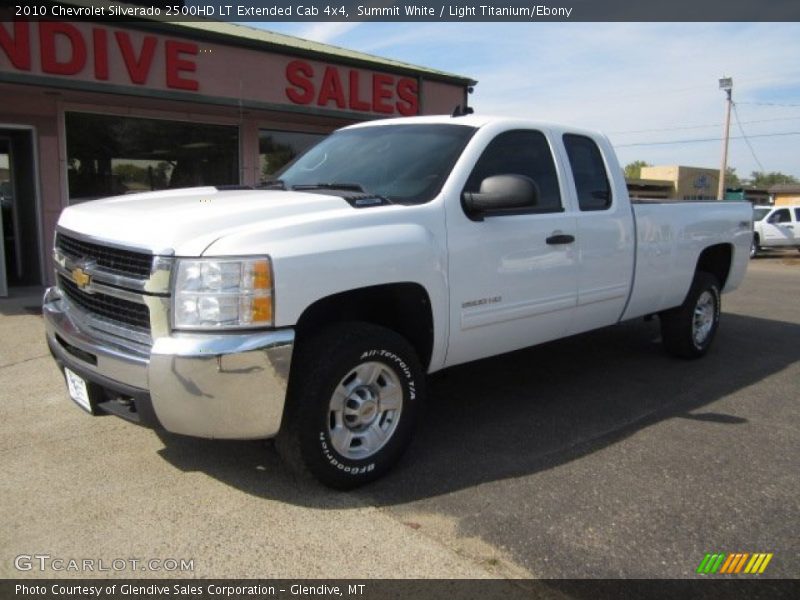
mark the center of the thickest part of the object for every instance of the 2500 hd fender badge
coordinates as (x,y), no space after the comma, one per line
(482,301)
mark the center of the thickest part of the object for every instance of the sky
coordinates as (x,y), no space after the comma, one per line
(640,83)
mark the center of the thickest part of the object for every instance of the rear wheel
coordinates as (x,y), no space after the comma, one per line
(688,330)
(352,405)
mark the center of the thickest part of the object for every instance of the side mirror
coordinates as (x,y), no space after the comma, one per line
(501,194)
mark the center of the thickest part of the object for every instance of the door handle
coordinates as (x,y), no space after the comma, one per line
(561,238)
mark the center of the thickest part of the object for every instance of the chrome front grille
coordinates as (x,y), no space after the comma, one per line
(121,294)
(127,263)
(106,307)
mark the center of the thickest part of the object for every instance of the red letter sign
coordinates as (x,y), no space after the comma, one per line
(18,48)
(48,30)
(100,38)
(175,64)
(409,97)
(331,88)
(138,69)
(381,92)
(299,73)
(355,102)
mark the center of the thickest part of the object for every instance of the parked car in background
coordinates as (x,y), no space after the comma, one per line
(775,227)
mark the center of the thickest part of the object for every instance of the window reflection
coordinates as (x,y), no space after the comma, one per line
(277,148)
(110,155)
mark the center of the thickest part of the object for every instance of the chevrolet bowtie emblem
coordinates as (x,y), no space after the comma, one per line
(81,277)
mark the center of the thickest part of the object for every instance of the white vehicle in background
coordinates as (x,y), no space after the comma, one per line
(775,227)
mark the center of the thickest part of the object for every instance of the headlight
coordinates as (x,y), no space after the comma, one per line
(222,293)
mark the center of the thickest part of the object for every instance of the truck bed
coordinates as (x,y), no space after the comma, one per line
(670,235)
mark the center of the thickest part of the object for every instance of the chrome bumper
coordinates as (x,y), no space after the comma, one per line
(229,386)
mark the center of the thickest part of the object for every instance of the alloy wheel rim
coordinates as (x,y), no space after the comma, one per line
(703,318)
(364,410)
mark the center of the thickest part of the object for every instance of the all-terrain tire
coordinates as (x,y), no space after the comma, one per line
(688,330)
(354,397)
(754,246)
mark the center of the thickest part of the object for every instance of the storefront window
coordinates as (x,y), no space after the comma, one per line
(276,148)
(109,155)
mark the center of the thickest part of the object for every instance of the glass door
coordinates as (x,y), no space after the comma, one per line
(19,222)
(6,211)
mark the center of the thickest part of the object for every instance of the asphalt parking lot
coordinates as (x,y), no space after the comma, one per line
(594,456)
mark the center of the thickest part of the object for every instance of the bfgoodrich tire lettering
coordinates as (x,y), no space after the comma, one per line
(353,402)
(689,329)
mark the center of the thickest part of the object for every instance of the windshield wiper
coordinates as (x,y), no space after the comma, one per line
(272,184)
(336,185)
(361,199)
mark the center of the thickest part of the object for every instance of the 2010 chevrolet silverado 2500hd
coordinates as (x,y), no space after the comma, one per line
(311,310)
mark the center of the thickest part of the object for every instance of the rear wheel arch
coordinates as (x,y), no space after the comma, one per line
(716,260)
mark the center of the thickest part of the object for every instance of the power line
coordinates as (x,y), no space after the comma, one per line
(682,128)
(768,104)
(744,135)
(699,140)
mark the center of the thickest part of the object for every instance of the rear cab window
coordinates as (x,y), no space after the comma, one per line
(760,213)
(588,172)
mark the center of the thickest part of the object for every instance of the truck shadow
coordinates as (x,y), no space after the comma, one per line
(531,410)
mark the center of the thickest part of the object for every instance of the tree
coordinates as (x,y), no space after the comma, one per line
(732,179)
(766,180)
(634,170)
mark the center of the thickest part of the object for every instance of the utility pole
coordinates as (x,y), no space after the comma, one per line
(726,84)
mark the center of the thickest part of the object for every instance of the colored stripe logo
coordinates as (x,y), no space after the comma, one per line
(734,563)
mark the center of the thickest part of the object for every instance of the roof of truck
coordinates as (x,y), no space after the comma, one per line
(474,120)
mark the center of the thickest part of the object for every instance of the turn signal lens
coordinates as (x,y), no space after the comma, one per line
(262,310)
(262,278)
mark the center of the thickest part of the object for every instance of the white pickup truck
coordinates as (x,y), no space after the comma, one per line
(777,227)
(310,310)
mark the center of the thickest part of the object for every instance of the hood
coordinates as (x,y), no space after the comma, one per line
(185,222)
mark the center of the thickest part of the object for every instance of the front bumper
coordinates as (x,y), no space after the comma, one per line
(230,386)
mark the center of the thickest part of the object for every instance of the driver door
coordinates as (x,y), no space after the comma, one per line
(778,228)
(513,277)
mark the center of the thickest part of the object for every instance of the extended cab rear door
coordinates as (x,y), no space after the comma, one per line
(605,231)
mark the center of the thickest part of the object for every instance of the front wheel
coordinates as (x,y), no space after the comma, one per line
(688,330)
(353,402)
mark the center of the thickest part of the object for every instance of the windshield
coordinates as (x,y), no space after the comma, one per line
(403,163)
(760,213)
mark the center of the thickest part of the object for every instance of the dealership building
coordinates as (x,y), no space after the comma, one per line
(97,109)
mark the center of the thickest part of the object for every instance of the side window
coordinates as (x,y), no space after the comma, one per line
(781,216)
(797,214)
(589,172)
(520,152)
